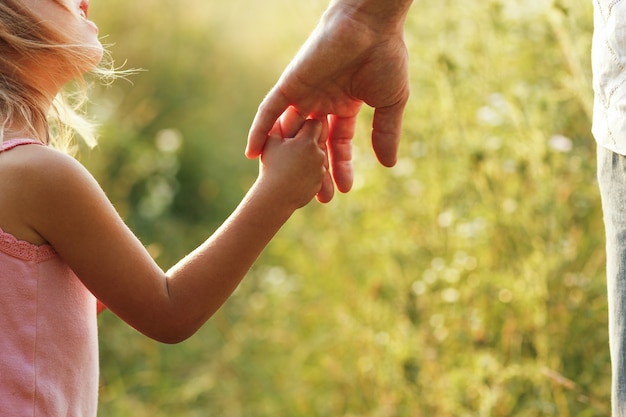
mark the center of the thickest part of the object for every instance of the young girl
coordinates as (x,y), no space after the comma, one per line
(62,244)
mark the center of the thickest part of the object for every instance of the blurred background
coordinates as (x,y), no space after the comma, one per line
(466,281)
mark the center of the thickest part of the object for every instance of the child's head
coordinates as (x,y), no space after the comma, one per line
(44,44)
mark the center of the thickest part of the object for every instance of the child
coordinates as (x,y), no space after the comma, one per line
(62,244)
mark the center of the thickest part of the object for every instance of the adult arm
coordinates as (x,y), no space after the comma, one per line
(355,55)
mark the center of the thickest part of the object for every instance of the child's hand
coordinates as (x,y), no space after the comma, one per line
(293,169)
(288,126)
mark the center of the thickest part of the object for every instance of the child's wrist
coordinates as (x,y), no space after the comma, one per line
(270,195)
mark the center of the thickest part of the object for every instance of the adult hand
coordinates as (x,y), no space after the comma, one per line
(354,56)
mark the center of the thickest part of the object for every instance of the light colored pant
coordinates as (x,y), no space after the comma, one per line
(612,180)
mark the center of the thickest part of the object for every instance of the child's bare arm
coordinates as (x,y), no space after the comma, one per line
(72,213)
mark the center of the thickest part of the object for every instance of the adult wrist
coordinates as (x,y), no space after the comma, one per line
(377,15)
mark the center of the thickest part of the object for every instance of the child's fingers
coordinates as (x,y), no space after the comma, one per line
(310,129)
(323,137)
(317,130)
(327,190)
(274,139)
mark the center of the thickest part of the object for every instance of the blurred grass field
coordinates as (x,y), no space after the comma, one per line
(466,281)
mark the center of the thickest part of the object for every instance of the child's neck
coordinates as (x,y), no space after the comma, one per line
(24,133)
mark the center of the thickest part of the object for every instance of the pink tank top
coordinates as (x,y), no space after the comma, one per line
(48,332)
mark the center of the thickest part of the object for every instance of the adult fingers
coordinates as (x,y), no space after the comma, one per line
(291,122)
(386,132)
(270,109)
(340,151)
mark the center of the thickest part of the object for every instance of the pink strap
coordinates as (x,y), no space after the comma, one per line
(12,143)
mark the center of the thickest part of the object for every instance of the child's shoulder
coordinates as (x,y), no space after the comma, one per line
(35,181)
(39,164)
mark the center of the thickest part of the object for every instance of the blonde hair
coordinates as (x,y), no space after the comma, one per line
(25,40)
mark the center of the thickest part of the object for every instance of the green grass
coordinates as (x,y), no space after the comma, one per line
(467,281)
